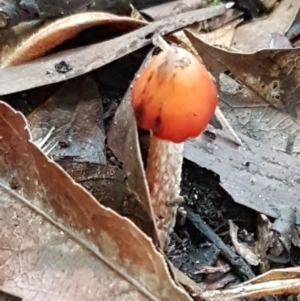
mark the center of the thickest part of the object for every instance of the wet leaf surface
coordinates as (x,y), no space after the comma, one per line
(253,174)
(74,119)
(63,242)
(58,242)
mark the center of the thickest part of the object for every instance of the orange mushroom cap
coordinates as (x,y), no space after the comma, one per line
(174,96)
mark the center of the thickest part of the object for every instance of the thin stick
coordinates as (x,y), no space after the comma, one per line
(225,125)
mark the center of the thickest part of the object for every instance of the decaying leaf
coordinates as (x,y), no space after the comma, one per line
(272,74)
(73,117)
(165,10)
(72,63)
(15,12)
(268,109)
(282,232)
(246,252)
(221,37)
(69,128)
(108,184)
(55,33)
(276,282)
(123,141)
(254,174)
(256,35)
(251,115)
(58,242)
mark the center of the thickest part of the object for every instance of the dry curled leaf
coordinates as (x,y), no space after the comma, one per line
(242,249)
(276,282)
(58,242)
(87,58)
(55,33)
(123,141)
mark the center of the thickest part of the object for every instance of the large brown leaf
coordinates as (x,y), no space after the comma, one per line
(58,243)
(254,174)
(265,103)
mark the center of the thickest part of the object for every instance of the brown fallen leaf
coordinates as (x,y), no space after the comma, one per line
(58,243)
(122,139)
(222,36)
(265,106)
(10,37)
(276,282)
(108,184)
(55,33)
(168,9)
(74,118)
(256,35)
(69,128)
(72,63)
(254,174)
(14,13)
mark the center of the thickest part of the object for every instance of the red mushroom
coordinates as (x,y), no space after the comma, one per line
(174,97)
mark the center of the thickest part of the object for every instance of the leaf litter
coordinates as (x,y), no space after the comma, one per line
(46,213)
(74,226)
(85,59)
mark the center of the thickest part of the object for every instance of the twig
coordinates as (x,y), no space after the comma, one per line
(225,125)
(238,264)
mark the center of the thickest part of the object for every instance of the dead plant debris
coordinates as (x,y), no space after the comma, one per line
(78,215)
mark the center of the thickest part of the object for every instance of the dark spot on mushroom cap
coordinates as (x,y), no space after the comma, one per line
(157,122)
(139,113)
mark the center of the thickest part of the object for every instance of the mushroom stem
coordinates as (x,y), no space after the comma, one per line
(163,172)
(174,97)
